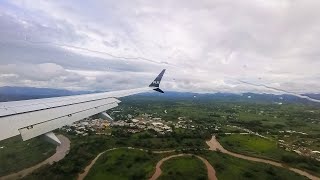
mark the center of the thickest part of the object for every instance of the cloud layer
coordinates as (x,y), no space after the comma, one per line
(206,46)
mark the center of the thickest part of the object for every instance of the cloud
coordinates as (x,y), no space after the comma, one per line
(206,46)
(39,72)
(48,74)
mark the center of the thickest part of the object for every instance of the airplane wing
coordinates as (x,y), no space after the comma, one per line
(31,118)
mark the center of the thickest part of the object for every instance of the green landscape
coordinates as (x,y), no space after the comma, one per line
(287,133)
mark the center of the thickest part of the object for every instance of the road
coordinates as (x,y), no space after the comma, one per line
(61,151)
(215,145)
(87,169)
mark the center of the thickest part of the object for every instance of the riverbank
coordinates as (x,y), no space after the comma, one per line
(61,151)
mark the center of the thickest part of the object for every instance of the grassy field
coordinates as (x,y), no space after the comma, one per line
(228,167)
(124,164)
(84,149)
(16,155)
(256,146)
(188,167)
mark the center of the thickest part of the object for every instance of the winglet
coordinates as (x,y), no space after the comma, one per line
(155,84)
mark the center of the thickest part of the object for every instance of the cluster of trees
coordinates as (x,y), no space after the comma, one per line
(253,125)
(302,162)
(82,151)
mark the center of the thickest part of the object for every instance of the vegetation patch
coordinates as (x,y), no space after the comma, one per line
(185,167)
(228,167)
(124,164)
(256,146)
(16,154)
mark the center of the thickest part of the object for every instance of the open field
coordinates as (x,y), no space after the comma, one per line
(16,155)
(253,145)
(186,167)
(268,149)
(228,167)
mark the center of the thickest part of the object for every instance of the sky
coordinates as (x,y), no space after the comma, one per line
(206,46)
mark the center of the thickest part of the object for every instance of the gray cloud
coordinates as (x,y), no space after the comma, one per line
(205,45)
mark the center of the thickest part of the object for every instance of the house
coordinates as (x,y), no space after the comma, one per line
(155,124)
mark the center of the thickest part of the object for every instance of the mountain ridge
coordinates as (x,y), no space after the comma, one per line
(14,93)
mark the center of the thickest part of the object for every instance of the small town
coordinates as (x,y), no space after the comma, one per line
(145,122)
(132,125)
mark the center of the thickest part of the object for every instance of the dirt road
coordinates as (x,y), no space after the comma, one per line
(215,145)
(61,151)
(211,171)
(87,169)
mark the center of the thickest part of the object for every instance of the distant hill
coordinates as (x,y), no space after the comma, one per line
(313,96)
(230,97)
(8,93)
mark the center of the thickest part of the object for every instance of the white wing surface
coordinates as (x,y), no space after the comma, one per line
(32,118)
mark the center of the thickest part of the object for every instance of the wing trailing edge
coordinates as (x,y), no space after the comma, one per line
(32,118)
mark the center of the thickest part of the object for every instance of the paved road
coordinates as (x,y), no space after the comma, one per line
(61,151)
(210,169)
(215,145)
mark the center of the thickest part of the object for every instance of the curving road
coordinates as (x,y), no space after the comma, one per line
(210,169)
(215,146)
(82,175)
(87,169)
(61,151)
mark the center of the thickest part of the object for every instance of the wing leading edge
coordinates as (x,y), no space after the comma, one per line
(32,118)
